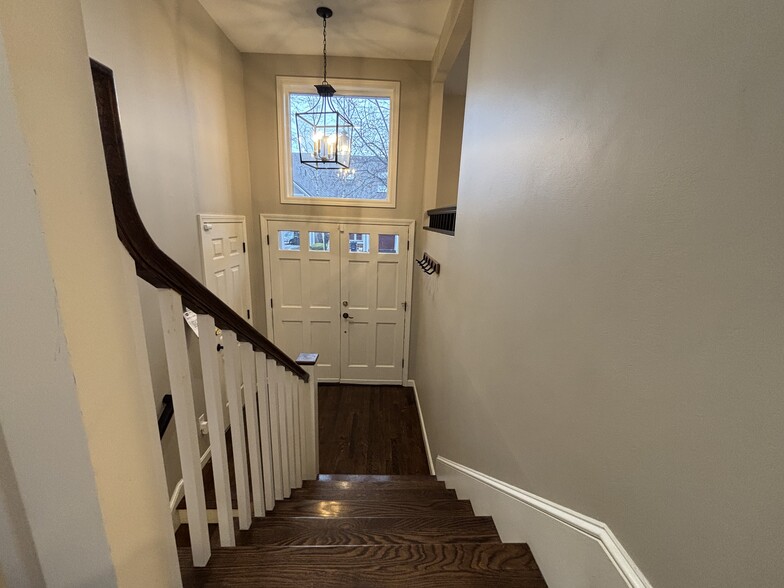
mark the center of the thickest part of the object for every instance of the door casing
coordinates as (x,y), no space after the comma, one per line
(265,248)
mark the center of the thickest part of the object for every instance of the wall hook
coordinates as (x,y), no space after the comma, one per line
(429,265)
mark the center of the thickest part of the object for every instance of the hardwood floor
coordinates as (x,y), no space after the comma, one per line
(370,430)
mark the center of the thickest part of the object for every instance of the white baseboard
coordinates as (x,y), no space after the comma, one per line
(572,550)
(412,384)
(179,491)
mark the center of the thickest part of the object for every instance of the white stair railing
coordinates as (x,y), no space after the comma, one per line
(272,420)
(273,413)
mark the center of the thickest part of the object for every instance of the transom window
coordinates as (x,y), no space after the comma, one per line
(372,107)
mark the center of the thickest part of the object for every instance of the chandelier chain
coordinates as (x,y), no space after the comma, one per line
(325,49)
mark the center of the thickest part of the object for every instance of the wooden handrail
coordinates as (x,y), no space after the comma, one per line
(152,264)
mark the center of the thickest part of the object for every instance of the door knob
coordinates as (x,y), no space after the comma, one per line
(346,316)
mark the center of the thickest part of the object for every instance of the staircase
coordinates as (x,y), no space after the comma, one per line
(363,530)
(333,530)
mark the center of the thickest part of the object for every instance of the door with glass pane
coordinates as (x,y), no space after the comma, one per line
(305,276)
(373,274)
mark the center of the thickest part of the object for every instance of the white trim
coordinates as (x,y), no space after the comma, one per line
(179,491)
(412,384)
(369,382)
(409,299)
(267,271)
(597,530)
(203,218)
(337,219)
(345,87)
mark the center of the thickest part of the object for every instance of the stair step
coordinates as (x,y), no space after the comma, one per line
(372,508)
(454,565)
(368,531)
(378,492)
(375,478)
(391,484)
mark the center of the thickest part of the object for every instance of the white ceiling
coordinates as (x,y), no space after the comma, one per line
(388,29)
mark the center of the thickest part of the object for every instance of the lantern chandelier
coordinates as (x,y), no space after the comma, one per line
(324,134)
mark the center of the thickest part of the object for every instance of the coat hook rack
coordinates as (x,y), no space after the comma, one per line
(429,265)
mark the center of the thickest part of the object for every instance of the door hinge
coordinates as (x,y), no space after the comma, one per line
(270,302)
(404,363)
(267,239)
(408,245)
(405,306)
(249,313)
(243,248)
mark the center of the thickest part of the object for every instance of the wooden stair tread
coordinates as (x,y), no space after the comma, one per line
(357,531)
(390,485)
(371,508)
(375,478)
(380,493)
(413,565)
(368,531)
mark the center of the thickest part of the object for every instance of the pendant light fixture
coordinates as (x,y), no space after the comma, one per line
(323,133)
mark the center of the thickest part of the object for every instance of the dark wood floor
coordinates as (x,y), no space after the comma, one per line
(369,430)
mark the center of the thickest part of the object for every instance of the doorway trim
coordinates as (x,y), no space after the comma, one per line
(203,218)
(265,252)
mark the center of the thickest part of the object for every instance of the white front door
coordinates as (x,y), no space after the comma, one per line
(373,263)
(225,261)
(321,271)
(305,269)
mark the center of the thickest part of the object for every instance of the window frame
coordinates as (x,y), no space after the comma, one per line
(287,85)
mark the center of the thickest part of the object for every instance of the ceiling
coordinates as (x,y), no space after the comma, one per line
(387,29)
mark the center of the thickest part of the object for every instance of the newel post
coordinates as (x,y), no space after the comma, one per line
(309,416)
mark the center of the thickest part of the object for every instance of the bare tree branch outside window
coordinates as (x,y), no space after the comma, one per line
(367,177)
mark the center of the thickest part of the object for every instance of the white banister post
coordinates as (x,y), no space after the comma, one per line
(181,386)
(304,428)
(252,419)
(308,362)
(237,426)
(295,394)
(264,431)
(274,418)
(208,351)
(284,433)
(290,430)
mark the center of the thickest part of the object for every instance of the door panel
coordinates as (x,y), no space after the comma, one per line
(225,263)
(373,270)
(305,272)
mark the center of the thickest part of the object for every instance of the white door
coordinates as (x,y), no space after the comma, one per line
(225,261)
(373,260)
(305,274)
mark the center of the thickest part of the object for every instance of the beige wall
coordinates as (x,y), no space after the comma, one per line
(181,97)
(261,99)
(92,329)
(606,331)
(451,148)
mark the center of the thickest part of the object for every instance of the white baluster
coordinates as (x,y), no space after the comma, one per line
(187,434)
(264,431)
(277,462)
(237,423)
(284,433)
(295,394)
(252,419)
(208,343)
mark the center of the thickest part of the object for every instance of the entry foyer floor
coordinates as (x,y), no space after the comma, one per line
(370,430)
